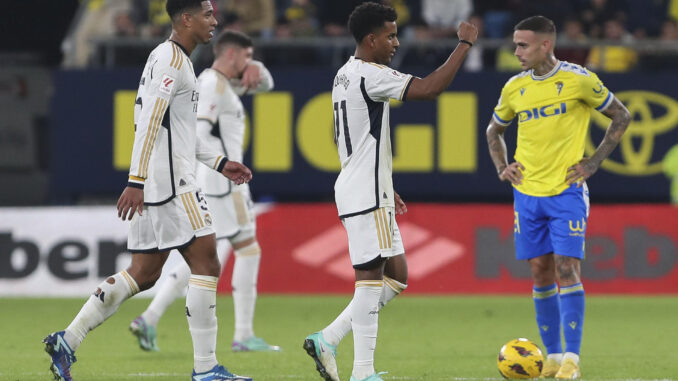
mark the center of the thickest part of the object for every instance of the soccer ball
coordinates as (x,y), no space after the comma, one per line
(520,358)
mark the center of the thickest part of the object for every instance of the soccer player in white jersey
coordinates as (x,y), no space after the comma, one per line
(364,193)
(163,202)
(221,124)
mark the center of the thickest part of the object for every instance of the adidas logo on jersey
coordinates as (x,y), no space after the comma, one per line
(182,182)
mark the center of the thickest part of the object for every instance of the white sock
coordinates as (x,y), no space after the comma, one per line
(201,306)
(571,355)
(555,356)
(244,283)
(341,326)
(173,288)
(392,288)
(365,324)
(100,306)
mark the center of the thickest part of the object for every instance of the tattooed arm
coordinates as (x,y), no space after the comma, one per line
(588,166)
(497,145)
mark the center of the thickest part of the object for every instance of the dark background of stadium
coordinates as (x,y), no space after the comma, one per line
(36,26)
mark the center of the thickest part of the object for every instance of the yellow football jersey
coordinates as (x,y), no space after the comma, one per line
(553,113)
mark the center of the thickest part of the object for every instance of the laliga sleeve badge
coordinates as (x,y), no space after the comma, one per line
(167,84)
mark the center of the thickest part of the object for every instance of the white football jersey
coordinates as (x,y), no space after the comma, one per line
(360,100)
(221,122)
(165,143)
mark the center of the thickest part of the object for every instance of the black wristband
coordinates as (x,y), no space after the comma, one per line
(221,165)
(466,42)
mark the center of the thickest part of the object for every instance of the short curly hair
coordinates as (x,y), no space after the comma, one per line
(176,7)
(368,17)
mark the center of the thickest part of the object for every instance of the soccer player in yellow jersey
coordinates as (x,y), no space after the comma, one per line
(552,101)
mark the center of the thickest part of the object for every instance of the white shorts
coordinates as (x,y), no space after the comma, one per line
(371,235)
(233,214)
(173,225)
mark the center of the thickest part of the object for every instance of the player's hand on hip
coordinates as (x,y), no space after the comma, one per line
(131,200)
(581,171)
(237,172)
(513,173)
(251,77)
(468,32)
(400,206)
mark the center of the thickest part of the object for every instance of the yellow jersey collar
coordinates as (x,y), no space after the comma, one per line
(547,75)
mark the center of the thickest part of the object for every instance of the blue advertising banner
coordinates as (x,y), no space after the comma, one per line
(439,147)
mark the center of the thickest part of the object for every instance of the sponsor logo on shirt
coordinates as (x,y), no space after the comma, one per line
(542,112)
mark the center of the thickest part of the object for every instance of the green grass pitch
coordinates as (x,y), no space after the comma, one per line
(420,338)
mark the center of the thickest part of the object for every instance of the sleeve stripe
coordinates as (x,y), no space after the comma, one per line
(163,107)
(180,59)
(216,163)
(606,102)
(148,136)
(407,86)
(174,54)
(136,178)
(500,120)
(156,118)
(146,151)
(177,57)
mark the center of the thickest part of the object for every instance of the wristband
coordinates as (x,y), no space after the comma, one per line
(466,42)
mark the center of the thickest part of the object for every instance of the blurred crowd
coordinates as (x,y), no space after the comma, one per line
(577,21)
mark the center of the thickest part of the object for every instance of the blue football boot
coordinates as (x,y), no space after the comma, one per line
(218,373)
(61,354)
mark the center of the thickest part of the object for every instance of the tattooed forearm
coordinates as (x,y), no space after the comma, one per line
(497,146)
(620,121)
